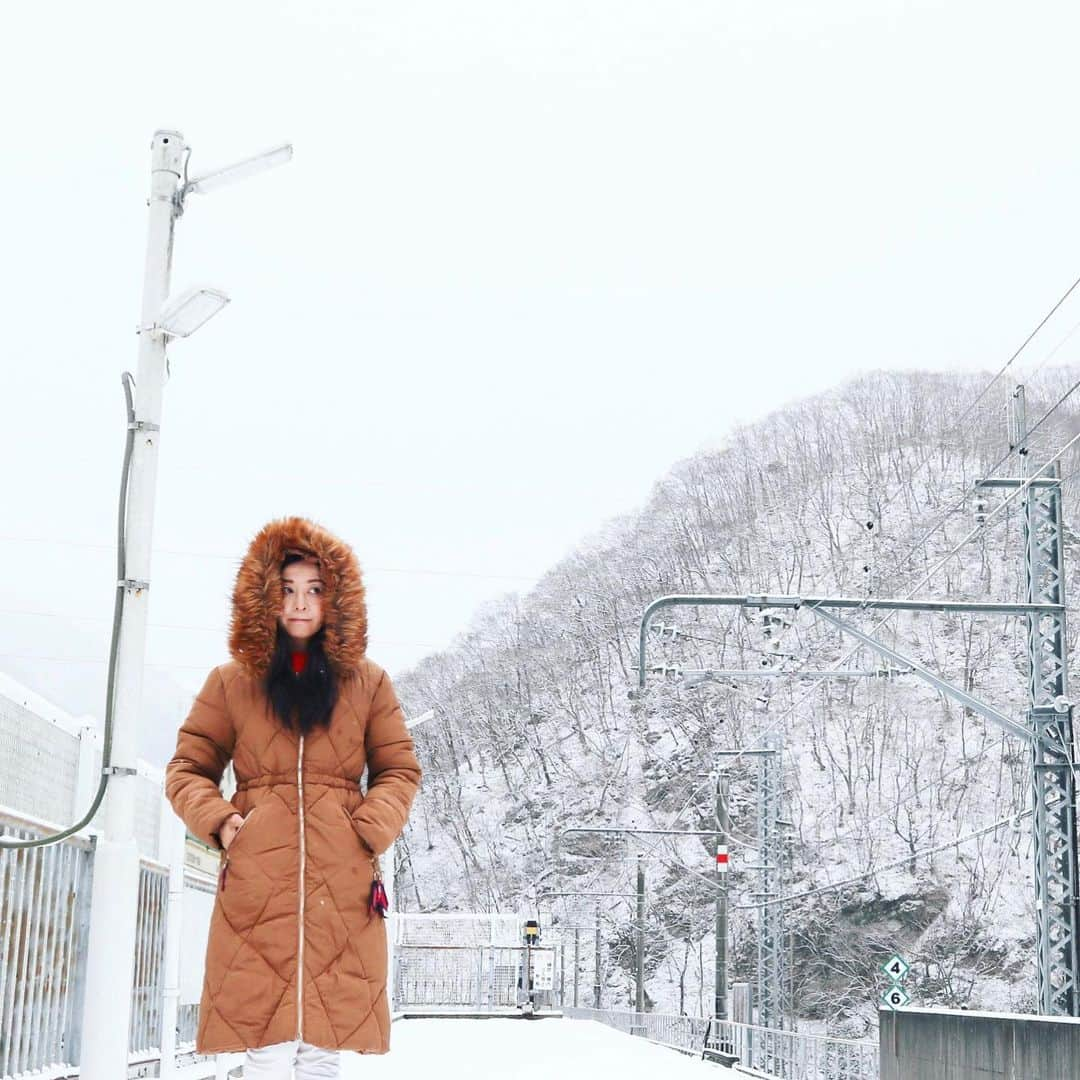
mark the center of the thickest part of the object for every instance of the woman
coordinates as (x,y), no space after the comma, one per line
(296,958)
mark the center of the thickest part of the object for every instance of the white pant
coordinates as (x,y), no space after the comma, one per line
(275,1062)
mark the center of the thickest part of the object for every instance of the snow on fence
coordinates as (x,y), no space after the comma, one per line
(790,1055)
(50,767)
(468,960)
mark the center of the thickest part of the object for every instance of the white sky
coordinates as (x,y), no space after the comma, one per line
(527,256)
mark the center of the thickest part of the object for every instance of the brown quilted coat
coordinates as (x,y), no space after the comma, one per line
(293,951)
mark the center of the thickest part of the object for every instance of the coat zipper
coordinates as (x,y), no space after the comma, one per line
(300,950)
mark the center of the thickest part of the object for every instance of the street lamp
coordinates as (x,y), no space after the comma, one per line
(110,960)
(184,315)
(249,166)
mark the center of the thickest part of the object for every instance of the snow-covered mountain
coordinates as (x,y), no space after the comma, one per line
(858,492)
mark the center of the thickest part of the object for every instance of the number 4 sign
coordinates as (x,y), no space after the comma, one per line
(896,967)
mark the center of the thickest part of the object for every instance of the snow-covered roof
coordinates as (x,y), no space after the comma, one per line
(14,691)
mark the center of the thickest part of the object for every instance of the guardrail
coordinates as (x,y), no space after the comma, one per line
(474,976)
(790,1055)
(44,930)
(44,923)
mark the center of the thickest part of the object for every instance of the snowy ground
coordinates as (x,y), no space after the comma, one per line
(497,1048)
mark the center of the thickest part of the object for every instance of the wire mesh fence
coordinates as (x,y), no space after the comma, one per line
(480,977)
(790,1055)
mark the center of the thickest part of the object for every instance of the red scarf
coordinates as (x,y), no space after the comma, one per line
(299,662)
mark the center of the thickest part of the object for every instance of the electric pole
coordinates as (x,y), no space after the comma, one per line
(639,967)
(1057,937)
(110,961)
(720,1003)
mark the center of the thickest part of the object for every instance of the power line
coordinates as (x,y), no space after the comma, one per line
(847,833)
(1017,818)
(179,667)
(881,622)
(238,559)
(982,525)
(986,389)
(989,472)
(173,626)
(1052,353)
(877,626)
(711,881)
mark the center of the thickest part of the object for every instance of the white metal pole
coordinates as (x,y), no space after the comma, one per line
(111,954)
(172,850)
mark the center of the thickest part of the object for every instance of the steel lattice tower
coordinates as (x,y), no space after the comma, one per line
(771,966)
(1053,778)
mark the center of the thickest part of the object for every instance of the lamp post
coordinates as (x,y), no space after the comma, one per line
(114,901)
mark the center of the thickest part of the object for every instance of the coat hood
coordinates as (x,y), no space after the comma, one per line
(257,596)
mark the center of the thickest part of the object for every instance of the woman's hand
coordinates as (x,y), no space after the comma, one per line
(230,829)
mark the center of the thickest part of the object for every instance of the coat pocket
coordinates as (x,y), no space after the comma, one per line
(241,831)
(224,873)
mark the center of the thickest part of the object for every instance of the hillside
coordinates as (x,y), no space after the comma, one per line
(843,494)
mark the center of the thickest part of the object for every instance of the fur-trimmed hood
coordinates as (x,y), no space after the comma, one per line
(257,596)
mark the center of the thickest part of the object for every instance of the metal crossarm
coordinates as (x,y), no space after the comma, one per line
(1049,731)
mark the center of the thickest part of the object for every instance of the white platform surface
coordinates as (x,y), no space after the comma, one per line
(513,1049)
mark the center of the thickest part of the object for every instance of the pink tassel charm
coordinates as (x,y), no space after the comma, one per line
(379,903)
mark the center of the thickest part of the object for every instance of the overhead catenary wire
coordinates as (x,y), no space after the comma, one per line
(1053,352)
(921,853)
(956,504)
(790,709)
(979,527)
(982,525)
(989,386)
(237,560)
(910,857)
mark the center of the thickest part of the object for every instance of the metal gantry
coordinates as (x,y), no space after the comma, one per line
(772,966)
(1048,729)
(1054,751)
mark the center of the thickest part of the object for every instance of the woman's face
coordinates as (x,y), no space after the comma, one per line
(301,600)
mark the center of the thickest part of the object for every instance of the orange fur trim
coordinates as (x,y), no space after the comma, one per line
(257,596)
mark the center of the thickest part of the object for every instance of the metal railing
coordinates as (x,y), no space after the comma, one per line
(148,990)
(44,925)
(791,1055)
(479,977)
(44,934)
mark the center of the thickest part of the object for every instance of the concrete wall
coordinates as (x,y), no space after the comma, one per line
(946,1044)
